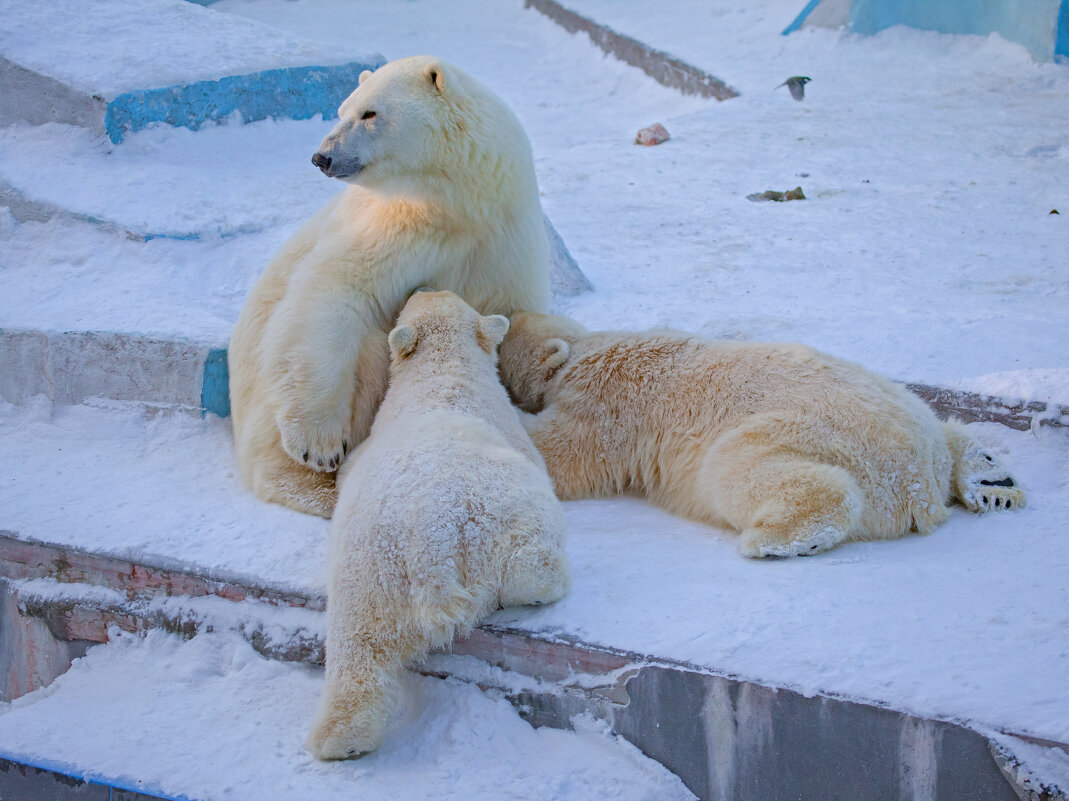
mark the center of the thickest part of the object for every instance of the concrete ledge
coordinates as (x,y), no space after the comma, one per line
(664,68)
(972,407)
(726,737)
(171,375)
(24,782)
(297,93)
(69,367)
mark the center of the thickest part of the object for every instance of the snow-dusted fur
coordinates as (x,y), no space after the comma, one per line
(794,449)
(441,193)
(445,513)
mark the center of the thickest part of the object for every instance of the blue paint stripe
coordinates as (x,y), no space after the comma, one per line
(800,19)
(1061,41)
(90,777)
(215,386)
(298,93)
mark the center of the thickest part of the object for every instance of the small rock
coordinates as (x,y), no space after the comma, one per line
(779,197)
(653,135)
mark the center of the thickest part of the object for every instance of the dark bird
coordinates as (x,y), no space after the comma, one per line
(797,86)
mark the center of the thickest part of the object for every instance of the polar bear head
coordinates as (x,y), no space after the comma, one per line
(436,324)
(536,347)
(422,118)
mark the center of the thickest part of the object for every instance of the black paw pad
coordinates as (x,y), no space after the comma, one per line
(1002,482)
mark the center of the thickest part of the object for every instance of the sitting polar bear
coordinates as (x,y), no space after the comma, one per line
(796,450)
(445,513)
(441,192)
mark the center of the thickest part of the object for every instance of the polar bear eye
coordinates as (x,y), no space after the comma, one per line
(368,115)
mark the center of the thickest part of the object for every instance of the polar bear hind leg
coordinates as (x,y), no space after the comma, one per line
(362,685)
(782,503)
(978,480)
(534,574)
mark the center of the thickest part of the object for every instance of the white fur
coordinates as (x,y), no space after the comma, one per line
(443,195)
(794,449)
(445,512)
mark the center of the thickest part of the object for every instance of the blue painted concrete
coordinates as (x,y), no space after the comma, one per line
(297,93)
(800,19)
(90,777)
(1030,23)
(1061,42)
(215,387)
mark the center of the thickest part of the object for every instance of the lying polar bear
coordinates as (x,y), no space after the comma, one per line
(441,191)
(445,513)
(796,450)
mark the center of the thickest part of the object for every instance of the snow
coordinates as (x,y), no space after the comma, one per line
(926,250)
(149,43)
(209,718)
(969,623)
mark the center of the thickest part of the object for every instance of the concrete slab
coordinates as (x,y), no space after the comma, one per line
(726,738)
(169,61)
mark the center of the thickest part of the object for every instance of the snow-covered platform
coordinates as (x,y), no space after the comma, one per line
(885,661)
(116,66)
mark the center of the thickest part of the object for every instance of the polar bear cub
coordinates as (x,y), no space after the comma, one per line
(796,450)
(440,191)
(445,513)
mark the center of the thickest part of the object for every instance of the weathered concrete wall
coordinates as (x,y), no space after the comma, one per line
(30,657)
(662,67)
(728,739)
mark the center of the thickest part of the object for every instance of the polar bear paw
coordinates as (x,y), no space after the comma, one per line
(772,541)
(321,444)
(984,484)
(344,734)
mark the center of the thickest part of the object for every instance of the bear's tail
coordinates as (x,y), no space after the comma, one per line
(978,480)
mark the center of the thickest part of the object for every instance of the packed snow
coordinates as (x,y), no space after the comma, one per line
(970,623)
(209,718)
(173,42)
(926,248)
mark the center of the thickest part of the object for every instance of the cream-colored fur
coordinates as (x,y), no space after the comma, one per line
(441,193)
(445,512)
(794,449)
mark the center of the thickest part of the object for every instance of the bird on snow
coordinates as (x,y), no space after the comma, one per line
(797,86)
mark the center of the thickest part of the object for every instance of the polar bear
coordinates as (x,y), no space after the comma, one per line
(445,513)
(794,449)
(441,192)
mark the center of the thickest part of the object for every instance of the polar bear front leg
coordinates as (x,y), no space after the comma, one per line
(313,344)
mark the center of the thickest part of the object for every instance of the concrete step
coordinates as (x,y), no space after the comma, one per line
(70,367)
(726,737)
(168,61)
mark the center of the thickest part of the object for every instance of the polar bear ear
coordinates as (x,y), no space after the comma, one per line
(363,77)
(492,330)
(433,73)
(557,353)
(403,341)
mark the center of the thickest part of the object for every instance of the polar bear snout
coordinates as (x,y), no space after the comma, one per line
(334,156)
(322,161)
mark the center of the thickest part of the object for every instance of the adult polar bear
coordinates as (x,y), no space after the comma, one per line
(796,450)
(441,192)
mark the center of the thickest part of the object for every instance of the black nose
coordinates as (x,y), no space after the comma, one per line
(321,161)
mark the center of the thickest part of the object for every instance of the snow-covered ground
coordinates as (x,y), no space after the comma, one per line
(970,623)
(211,719)
(926,250)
